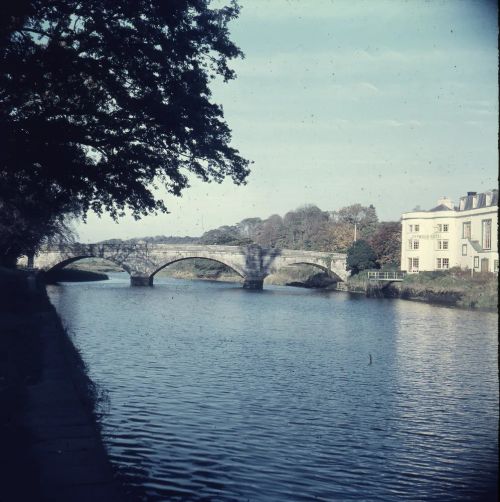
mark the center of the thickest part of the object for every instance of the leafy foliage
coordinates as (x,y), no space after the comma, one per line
(102,102)
(386,242)
(26,223)
(361,256)
(225,235)
(307,227)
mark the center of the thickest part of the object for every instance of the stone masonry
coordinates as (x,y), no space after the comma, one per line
(143,260)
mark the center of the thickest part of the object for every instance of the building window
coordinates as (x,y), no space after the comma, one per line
(442,227)
(466,230)
(415,264)
(495,266)
(464,249)
(442,244)
(410,244)
(476,261)
(410,262)
(417,228)
(410,228)
(486,234)
(416,244)
(445,227)
(443,263)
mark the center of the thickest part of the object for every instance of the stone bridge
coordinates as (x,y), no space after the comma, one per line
(143,260)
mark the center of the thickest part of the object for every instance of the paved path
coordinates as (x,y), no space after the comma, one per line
(71,461)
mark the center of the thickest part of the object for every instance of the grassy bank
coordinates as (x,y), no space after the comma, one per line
(452,287)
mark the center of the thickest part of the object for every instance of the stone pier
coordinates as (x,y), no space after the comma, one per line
(255,284)
(141,280)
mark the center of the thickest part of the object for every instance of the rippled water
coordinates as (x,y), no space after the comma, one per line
(216,393)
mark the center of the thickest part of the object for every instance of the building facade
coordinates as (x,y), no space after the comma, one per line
(447,236)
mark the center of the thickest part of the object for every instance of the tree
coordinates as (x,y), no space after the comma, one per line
(342,235)
(386,242)
(225,235)
(272,232)
(361,256)
(364,217)
(26,222)
(249,227)
(102,102)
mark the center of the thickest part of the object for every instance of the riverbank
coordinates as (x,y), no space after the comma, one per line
(73,275)
(51,446)
(454,288)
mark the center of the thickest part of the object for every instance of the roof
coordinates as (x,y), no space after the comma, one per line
(441,207)
(467,202)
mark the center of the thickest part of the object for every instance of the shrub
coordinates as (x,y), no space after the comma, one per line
(361,256)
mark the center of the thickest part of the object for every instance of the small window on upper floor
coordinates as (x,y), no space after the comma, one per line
(464,249)
(486,234)
(466,230)
(417,228)
(445,227)
(410,228)
(416,244)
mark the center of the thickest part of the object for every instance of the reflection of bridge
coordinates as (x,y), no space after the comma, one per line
(143,260)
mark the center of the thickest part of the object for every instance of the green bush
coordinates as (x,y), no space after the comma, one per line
(361,256)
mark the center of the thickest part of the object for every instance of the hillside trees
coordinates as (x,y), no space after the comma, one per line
(103,102)
(307,227)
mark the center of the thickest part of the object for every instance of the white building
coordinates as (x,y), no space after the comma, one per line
(447,236)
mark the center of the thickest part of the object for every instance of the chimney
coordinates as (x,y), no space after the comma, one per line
(444,201)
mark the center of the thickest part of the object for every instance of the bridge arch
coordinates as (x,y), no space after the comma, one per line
(177,260)
(67,261)
(323,268)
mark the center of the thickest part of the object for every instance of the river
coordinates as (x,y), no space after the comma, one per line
(218,393)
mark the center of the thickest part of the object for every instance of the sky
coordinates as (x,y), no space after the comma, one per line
(391,103)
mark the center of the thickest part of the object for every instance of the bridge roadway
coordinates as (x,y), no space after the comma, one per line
(143,260)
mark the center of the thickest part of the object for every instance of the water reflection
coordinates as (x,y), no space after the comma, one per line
(220,394)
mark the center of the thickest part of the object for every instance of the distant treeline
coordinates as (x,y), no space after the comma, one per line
(307,228)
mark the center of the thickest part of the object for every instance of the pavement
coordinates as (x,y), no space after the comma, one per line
(52,449)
